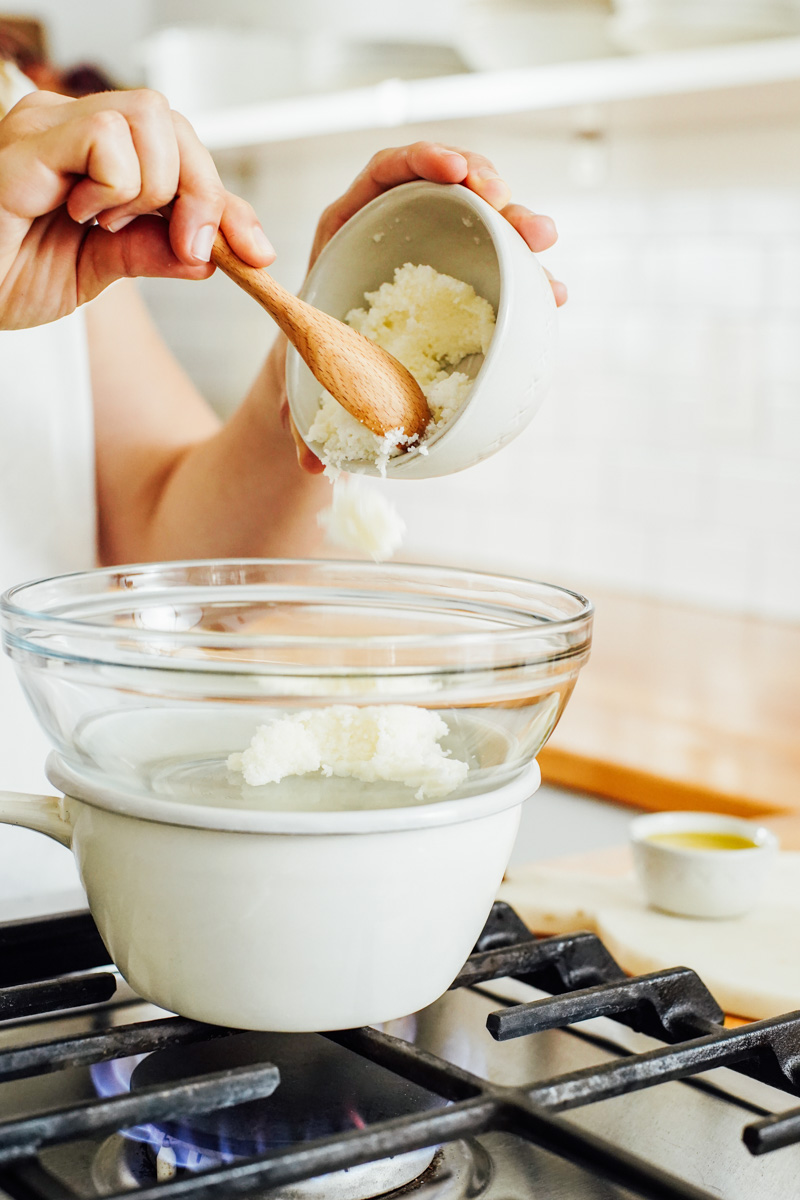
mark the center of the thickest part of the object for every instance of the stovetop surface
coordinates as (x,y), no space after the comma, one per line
(690,1128)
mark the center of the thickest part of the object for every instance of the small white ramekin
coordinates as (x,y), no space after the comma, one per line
(452,229)
(701,883)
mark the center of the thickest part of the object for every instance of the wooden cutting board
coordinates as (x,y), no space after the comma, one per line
(751,964)
(683,708)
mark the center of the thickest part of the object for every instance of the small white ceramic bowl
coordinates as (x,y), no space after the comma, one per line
(453,230)
(701,883)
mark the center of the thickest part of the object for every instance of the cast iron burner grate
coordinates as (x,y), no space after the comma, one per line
(51,964)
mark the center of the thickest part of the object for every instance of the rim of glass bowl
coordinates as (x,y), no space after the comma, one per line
(453,583)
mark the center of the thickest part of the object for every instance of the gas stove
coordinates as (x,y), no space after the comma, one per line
(543,1074)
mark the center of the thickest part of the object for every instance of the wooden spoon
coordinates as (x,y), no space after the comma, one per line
(372,385)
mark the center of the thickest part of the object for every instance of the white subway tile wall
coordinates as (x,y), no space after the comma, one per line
(666,460)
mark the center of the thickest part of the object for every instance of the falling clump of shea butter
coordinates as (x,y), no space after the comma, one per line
(398,743)
(429,322)
(360,518)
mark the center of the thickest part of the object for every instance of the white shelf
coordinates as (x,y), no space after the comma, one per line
(496,93)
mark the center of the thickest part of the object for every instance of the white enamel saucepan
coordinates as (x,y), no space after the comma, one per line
(314,903)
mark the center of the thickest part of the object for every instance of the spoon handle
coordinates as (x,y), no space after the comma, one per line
(282,306)
(372,385)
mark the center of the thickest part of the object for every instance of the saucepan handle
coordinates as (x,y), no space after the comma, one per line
(46,814)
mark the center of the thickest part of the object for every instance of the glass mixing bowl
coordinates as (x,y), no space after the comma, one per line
(149,677)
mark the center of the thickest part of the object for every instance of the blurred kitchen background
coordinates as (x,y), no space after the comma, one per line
(664,139)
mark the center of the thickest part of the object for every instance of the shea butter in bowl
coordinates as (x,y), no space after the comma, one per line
(452,230)
(700,864)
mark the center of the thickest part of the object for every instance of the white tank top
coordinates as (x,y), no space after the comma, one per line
(47,526)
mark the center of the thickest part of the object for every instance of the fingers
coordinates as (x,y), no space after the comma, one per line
(540,234)
(201,204)
(559,290)
(112,168)
(306,458)
(244,234)
(138,119)
(133,156)
(40,163)
(152,131)
(200,200)
(538,231)
(439,164)
(113,154)
(385,170)
(388,168)
(484,179)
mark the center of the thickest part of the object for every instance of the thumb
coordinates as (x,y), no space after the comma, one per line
(140,249)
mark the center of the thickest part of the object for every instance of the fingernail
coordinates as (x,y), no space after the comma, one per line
(261,242)
(120,223)
(203,241)
(453,154)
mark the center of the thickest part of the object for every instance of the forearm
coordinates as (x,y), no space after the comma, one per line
(172,482)
(241,492)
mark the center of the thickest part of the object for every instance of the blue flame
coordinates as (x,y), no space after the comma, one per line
(114,1079)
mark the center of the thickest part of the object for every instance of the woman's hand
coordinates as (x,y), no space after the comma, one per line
(79,182)
(440,164)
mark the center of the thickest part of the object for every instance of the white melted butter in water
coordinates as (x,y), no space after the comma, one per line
(208,781)
(180,755)
(387,743)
